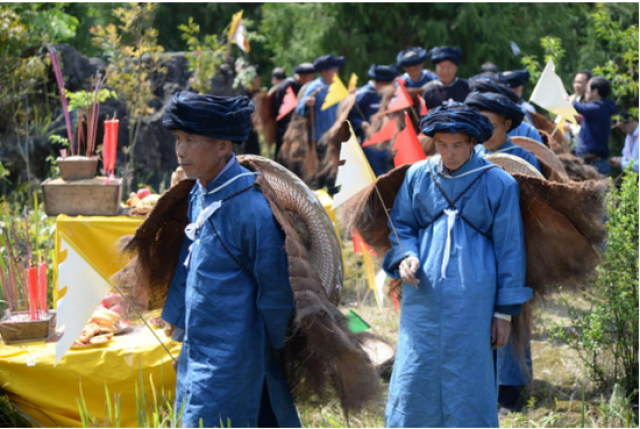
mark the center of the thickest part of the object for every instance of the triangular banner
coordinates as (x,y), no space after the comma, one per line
(353,81)
(337,92)
(370,274)
(401,99)
(423,106)
(355,174)
(407,145)
(550,94)
(288,103)
(387,132)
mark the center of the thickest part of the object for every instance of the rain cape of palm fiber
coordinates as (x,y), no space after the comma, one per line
(322,356)
(563,226)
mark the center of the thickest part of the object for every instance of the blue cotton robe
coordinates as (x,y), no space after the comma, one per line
(425,78)
(444,369)
(323,119)
(232,320)
(368,100)
(511,149)
(526,130)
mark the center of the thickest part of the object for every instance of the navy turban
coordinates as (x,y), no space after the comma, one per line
(411,57)
(484,84)
(442,53)
(497,103)
(516,77)
(327,62)
(224,118)
(383,73)
(457,118)
(304,68)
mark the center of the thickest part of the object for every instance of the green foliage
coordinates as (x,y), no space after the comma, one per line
(205,55)
(132,67)
(84,99)
(552,52)
(11,416)
(607,335)
(621,69)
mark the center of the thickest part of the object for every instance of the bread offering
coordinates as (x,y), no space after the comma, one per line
(106,321)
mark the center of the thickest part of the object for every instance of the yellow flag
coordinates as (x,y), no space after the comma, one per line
(353,81)
(337,93)
(355,174)
(237,32)
(370,274)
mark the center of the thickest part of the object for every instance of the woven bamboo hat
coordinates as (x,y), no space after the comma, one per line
(513,164)
(543,154)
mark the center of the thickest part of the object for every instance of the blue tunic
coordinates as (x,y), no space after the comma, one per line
(444,369)
(425,78)
(233,319)
(323,119)
(511,149)
(368,101)
(526,130)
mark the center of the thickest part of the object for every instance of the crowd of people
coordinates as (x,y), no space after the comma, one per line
(457,243)
(589,138)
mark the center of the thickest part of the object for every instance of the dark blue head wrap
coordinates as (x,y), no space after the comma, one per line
(457,118)
(224,118)
(516,77)
(442,53)
(327,62)
(304,68)
(383,73)
(411,57)
(484,84)
(497,103)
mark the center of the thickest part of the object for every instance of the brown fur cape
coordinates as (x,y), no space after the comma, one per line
(321,356)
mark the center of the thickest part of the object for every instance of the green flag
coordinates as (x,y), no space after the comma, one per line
(355,323)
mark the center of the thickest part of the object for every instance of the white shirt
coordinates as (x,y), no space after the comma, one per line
(630,150)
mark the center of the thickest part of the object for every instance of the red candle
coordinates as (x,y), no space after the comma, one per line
(32,290)
(105,149)
(42,287)
(114,143)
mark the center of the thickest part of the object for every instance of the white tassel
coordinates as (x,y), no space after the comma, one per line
(451,219)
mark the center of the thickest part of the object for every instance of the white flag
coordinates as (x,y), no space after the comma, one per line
(85,289)
(550,94)
(355,174)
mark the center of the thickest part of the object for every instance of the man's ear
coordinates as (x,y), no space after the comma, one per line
(225,147)
(507,124)
(473,142)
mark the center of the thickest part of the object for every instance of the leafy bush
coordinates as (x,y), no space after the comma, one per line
(606,336)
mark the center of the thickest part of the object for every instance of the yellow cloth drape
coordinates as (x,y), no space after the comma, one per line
(48,394)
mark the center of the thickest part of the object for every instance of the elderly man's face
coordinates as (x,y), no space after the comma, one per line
(454,148)
(501,127)
(201,157)
(446,71)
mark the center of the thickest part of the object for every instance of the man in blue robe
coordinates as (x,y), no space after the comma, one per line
(303,74)
(448,87)
(516,80)
(367,104)
(485,83)
(460,254)
(315,93)
(230,294)
(504,117)
(413,62)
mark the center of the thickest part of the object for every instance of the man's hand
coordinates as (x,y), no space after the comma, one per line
(310,102)
(408,269)
(500,331)
(365,126)
(616,161)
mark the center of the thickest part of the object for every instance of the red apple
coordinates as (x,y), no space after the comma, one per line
(143,193)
